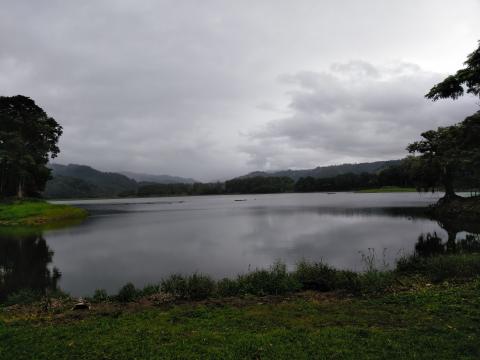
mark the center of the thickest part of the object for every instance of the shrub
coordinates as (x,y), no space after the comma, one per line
(150,289)
(348,281)
(100,295)
(274,281)
(128,293)
(441,268)
(175,285)
(316,276)
(23,296)
(193,287)
(228,287)
(374,281)
(200,286)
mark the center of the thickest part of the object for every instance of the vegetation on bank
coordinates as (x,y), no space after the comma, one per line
(459,209)
(37,212)
(316,276)
(388,189)
(416,316)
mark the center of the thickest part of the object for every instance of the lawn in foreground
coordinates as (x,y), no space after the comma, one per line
(432,322)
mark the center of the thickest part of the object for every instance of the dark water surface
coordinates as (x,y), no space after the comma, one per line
(143,240)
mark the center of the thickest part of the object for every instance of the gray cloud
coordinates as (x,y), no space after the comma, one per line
(173,87)
(354,112)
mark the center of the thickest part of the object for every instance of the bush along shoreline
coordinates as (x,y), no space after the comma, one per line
(308,276)
(428,306)
(431,263)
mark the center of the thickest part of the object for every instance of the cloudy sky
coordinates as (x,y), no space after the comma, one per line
(214,89)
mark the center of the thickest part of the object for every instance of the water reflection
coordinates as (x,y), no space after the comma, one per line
(143,242)
(432,244)
(24,263)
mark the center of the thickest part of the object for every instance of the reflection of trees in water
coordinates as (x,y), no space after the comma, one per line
(24,261)
(432,244)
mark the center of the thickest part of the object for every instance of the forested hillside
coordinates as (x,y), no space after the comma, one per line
(71,181)
(329,171)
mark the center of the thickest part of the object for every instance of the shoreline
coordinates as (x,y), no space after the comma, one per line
(34,213)
(306,325)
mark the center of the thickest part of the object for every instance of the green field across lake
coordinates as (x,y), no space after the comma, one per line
(37,212)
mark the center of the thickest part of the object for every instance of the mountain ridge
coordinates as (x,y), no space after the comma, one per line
(328,171)
(160,179)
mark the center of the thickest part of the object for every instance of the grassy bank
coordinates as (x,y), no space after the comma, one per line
(429,322)
(387,189)
(36,212)
(427,307)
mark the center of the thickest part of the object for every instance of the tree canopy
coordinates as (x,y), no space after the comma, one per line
(449,153)
(452,154)
(453,85)
(28,139)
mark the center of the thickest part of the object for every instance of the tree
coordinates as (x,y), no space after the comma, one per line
(453,85)
(454,150)
(450,152)
(28,139)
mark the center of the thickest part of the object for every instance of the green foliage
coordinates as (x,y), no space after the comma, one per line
(28,139)
(316,276)
(100,295)
(273,281)
(23,297)
(37,213)
(453,85)
(394,177)
(449,153)
(330,171)
(79,181)
(128,293)
(259,185)
(440,322)
(193,287)
(150,289)
(228,288)
(441,268)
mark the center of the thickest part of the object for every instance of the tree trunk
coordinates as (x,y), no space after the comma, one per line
(20,190)
(448,183)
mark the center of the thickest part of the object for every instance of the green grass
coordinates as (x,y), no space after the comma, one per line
(31,212)
(425,308)
(387,189)
(436,322)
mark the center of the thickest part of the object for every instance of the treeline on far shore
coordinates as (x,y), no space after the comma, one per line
(398,176)
(404,175)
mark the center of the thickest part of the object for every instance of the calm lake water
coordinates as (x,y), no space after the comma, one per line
(143,240)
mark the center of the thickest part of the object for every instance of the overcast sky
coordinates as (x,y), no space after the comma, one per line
(214,89)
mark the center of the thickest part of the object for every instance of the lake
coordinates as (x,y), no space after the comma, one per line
(143,240)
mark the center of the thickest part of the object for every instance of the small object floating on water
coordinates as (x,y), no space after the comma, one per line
(240,199)
(330,193)
(81,305)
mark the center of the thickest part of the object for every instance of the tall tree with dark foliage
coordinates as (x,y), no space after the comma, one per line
(453,152)
(28,139)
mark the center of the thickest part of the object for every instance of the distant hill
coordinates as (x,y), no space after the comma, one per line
(159,179)
(329,171)
(70,181)
(81,181)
